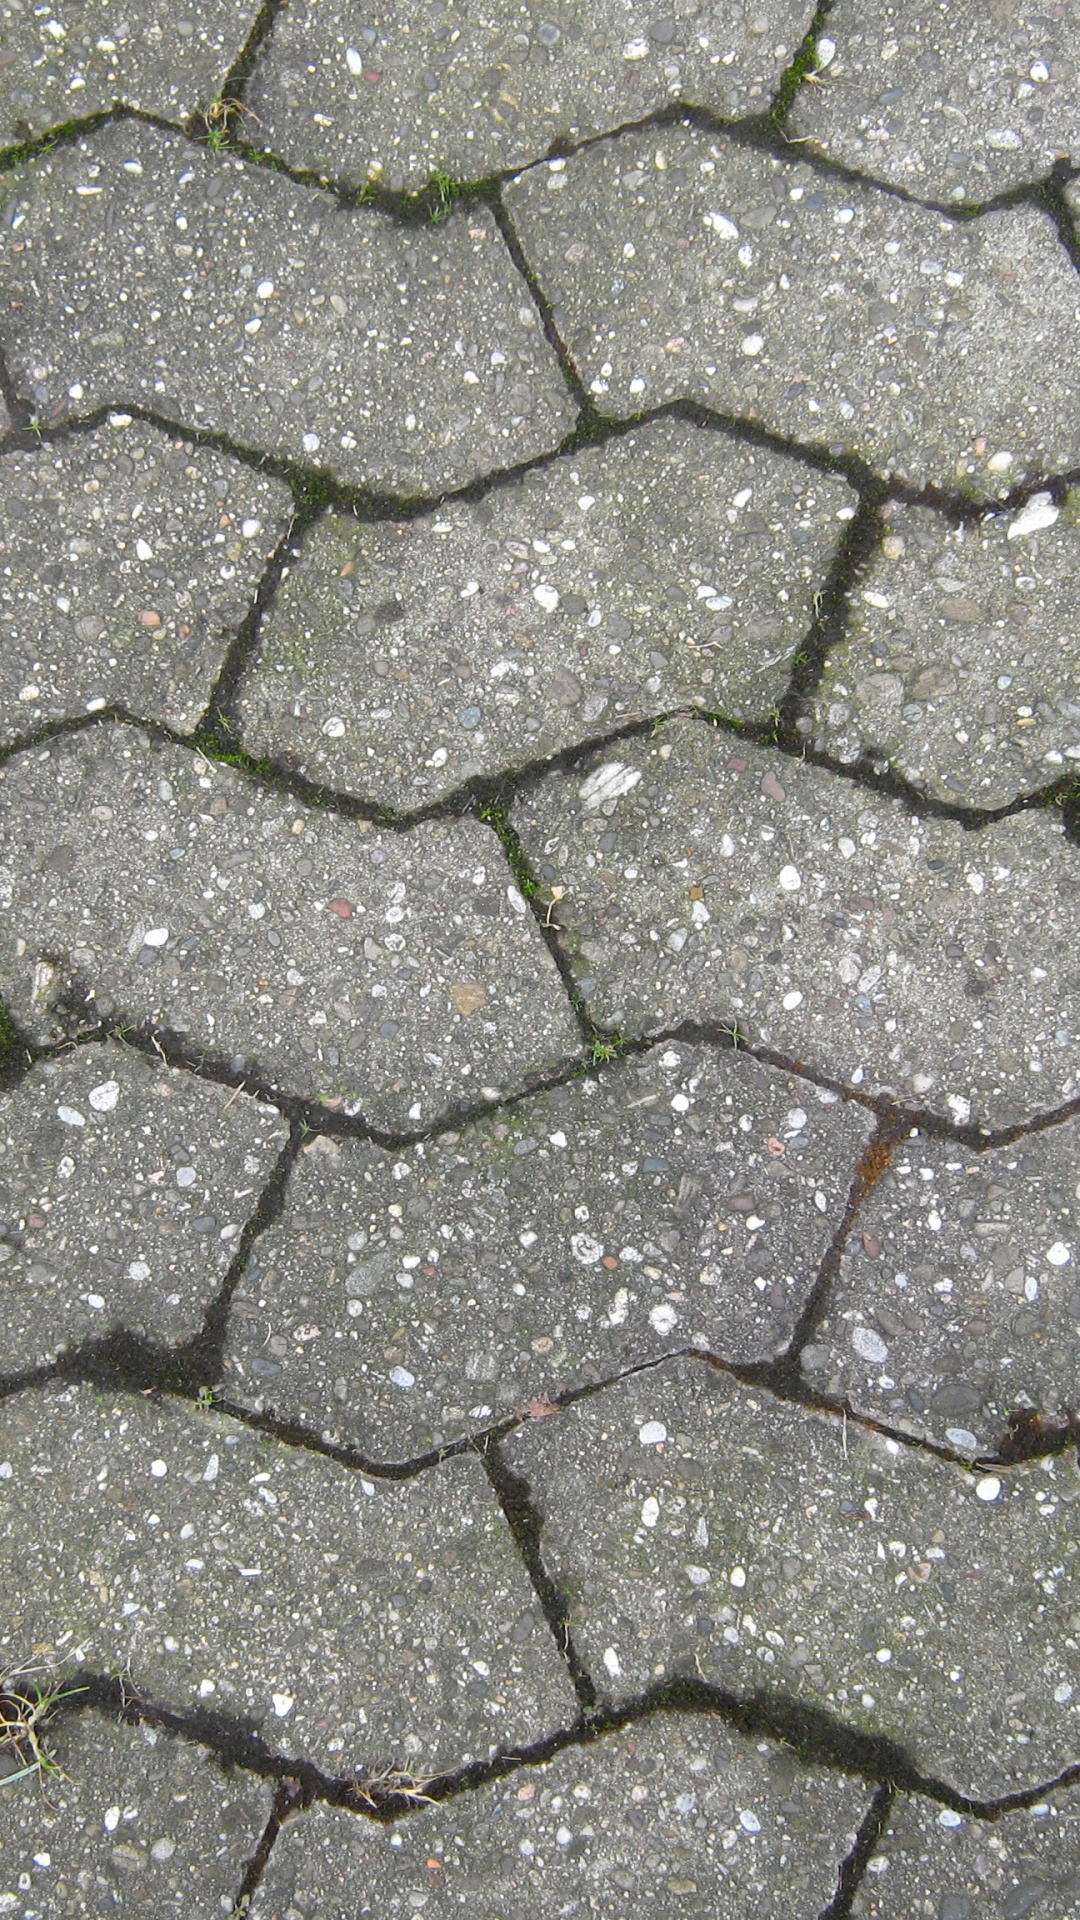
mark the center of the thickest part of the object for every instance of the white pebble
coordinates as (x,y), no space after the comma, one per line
(988,1488)
(650,1511)
(586,1249)
(792,1000)
(737,1577)
(826,51)
(401,1377)
(724,228)
(635,50)
(71,1116)
(663,1318)
(960,1437)
(947,1818)
(283,1704)
(652,1433)
(158,1469)
(749,1822)
(869,1345)
(790,879)
(698,1576)
(546,597)
(186,1176)
(354,60)
(608,782)
(612,1663)
(1040,512)
(156,937)
(1059,1254)
(752,343)
(104,1098)
(250,528)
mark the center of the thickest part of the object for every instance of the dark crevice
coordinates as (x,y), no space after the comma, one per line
(389,1794)
(495,816)
(588,418)
(853,1867)
(804,62)
(234,85)
(831,611)
(873,1162)
(217,734)
(526,1524)
(289,1796)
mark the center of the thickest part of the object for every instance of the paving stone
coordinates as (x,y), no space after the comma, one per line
(368,351)
(700,1526)
(125,560)
(684,1814)
(57,69)
(935,1862)
(354,1621)
(138,1824)
(680,264)
(397,972)
(384,92)
(951,102)
(959,666)
(703,878)
(669,568)
(123,1191)
(958,1297)
(686,1195)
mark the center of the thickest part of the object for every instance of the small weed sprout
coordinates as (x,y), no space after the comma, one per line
(25,1710)
(374,1789)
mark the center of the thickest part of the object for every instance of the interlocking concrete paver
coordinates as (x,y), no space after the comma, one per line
(704,878)
(353,1620)
(669,568)
(688,1195)
(958,1297)
(700,1526)
(935,1862)
(123,1191)
(54,69)
(125,558)
(397,972)
(953,103)
(382,92)
(136,1824)
(222,295)
(683,265)
(959,667)
(688,1816)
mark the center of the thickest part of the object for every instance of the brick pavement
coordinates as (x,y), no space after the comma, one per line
(539,793)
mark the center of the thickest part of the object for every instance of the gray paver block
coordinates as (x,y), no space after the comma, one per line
(669,568)
(125,558)
(397,972)
(355,1621)
(698,1526)
(55,69)
(951,102)
(957,1297)
(380,91)
(140,1825)
(935,1862)
(686,1815)
(685,1196)
(222,295)
(960,668)
(123,1192)
(679,264)
(703,878)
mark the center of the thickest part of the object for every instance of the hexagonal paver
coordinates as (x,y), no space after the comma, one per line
(681,264)
(222,295)
(699,1526)
(934,1861)
(669,568)
(697,877)
(951,102)
(56,69)
(383,92)
(136,1824)
(125,560)
(123,1191)
(685,1196)
(957,1297)
(355,1621)
(959,666)
(683,1814)
(398,972)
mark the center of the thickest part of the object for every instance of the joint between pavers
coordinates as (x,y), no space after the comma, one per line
(854,1865)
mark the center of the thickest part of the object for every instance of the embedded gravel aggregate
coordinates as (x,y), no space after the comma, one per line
(539,806)
(666,569)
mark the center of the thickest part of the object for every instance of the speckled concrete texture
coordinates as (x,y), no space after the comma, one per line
(539,998)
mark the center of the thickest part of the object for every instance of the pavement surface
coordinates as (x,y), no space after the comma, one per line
(539,982)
